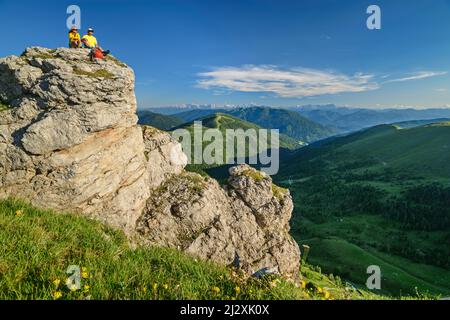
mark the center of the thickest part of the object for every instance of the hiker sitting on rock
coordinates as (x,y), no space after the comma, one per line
(90,42)
(74,38)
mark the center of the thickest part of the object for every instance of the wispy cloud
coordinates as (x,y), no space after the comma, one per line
(288,83)
(418,76)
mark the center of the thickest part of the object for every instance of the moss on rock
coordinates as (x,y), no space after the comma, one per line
(4,106)
(254,174)
(279,192)
(101,73)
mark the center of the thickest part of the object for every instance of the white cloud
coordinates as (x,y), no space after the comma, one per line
(291,83)
(419,75)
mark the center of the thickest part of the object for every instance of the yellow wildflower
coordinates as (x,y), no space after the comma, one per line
(86,287)
(166,286)
(319,289)
(144,289)
(84,273)
(56,282)
(303,284)
(237,289)
(326,294)
(19,213)
(155,286)
(57,294)
(216,289)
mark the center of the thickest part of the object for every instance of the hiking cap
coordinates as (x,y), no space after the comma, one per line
(90,30)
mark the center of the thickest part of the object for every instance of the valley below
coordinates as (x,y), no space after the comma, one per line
(378,196)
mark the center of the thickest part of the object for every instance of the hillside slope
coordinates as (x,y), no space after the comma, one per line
(160,121)
(420,150)
(37,247)
(288,122)
(223,122)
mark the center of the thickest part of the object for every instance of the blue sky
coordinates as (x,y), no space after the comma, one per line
(278,53)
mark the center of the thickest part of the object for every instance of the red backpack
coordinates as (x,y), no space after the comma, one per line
(98,54)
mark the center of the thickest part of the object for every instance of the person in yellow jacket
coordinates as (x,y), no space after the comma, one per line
(74,38)
(90,42)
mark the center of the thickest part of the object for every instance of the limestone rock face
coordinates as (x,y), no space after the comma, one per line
(196,215)
(69,141)
(165,156)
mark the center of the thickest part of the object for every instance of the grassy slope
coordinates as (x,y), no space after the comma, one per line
(420,149)
(222,122)
(290,123)
(400,275)
(404,158)
(37,246)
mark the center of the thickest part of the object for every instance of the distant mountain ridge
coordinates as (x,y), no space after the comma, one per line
(335,118)
(289,123)
(352,119)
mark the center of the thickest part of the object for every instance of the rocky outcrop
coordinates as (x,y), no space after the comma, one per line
(246,220)
(69,141)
